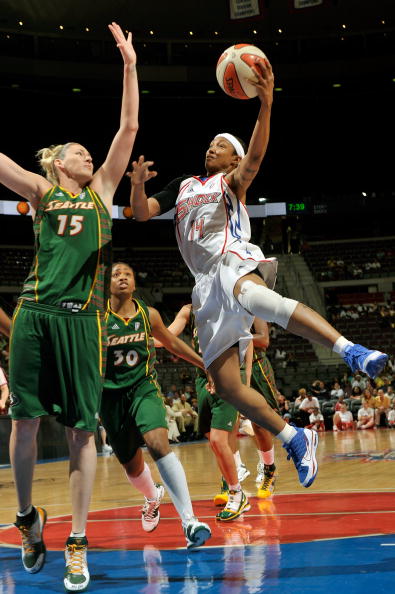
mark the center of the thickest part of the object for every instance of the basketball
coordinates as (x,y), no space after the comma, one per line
(234,70)
(23,208)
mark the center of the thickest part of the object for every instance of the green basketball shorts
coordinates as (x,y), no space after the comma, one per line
(213,411)
(56,362)
(128,414)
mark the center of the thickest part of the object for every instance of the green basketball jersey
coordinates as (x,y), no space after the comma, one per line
(131,353)
(72,261)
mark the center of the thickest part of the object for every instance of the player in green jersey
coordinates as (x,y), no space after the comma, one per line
(132,409)
(218,422)
(56,355)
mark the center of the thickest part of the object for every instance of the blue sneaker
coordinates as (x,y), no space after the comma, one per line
(302,449)
(359,358)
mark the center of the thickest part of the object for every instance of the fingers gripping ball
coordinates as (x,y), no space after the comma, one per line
(234,70)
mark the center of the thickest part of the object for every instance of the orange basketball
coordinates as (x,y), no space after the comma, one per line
(23,208)
(234,69)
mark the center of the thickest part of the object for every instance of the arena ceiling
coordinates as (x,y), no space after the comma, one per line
(176,18)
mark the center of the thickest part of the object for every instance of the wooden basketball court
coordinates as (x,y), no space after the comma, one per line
(344,523)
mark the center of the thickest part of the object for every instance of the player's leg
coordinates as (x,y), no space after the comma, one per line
(27,346)
(265,448)
(299,443)
(126,442)
(77,342)
(242,470)
(150,417)
(253,294)
(219,424)
(263,381)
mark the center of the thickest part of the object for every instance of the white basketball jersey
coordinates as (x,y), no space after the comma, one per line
(210,221)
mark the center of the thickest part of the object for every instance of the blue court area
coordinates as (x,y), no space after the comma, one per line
(342,566)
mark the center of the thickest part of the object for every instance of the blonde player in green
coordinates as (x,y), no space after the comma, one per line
(132,409)
(56,355)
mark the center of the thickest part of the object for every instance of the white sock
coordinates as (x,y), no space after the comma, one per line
(77,534)
(340,345)
(144,483)
(235,487)
(268,457)
(175,481)
(287,433)
(237,458)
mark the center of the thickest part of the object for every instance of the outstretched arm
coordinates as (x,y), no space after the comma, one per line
(241,178)
(179,323)
(25,183)
(181,320)
(108,176)
(171,342)
(143,208)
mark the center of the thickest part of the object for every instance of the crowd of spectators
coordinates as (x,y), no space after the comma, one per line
(351,402)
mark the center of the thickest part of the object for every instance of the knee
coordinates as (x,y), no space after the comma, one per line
(25,429)
(78,438)
(158,447)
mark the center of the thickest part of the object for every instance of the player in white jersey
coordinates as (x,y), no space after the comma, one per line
(213,235)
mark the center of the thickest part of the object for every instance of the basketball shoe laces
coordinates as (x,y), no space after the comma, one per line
(29,538)
(267,481)
(76,558)
(234,501)
(150,509)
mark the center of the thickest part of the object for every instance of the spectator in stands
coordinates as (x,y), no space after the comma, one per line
(337,391)
(4,393)
(306,407)
(316,420)
(172,391)
(390,393)
(318,390)
(284,406)
(391,416)
(343,419)
(171,416)
(391,363)
(190,417)
(339,402)
(300,397)
(383,405)
(358,381)
(368,397)
(356,393)
(365,417)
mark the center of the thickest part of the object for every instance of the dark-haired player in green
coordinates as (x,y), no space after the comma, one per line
(132,409)
(56,355)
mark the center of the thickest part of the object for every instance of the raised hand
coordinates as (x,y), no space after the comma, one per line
(124,44)
(141,172)
(263,80)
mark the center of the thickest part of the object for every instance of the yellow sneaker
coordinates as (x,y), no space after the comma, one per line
(267,487)
(221,498)
(237,504)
